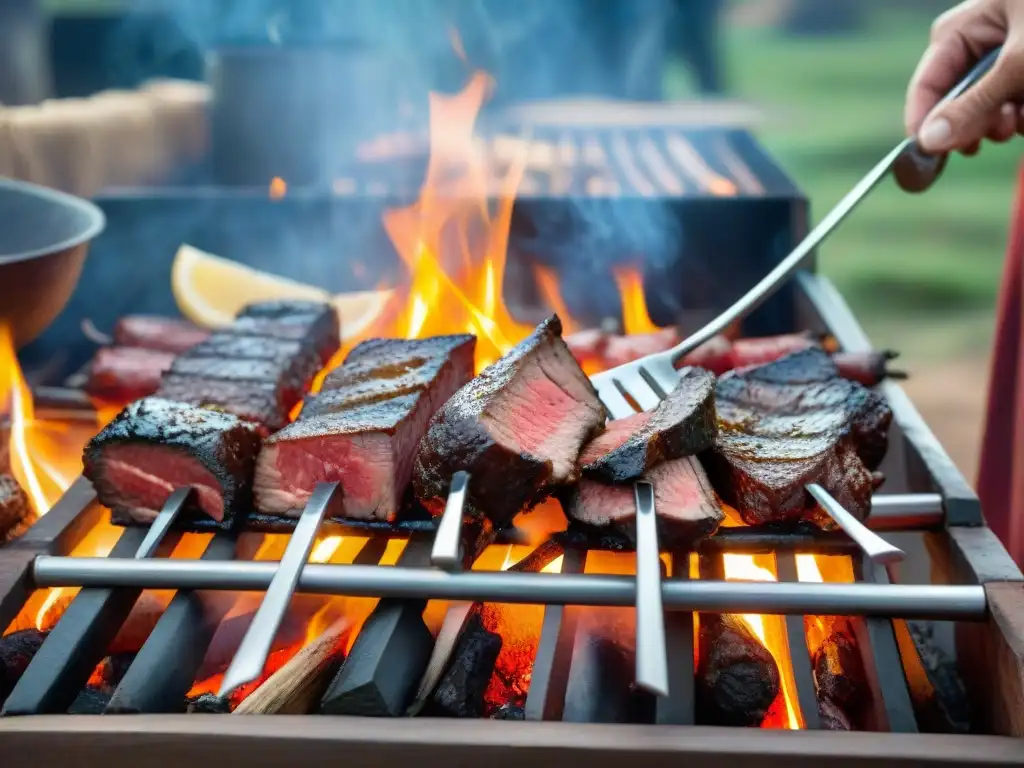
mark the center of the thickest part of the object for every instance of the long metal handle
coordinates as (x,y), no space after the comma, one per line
(767,287)
(445,553)
(651,655)
(874,547)
(251,657)
(902,601)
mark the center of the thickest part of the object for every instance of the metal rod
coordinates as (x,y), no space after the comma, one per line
(248,662)
(445,553)
(874,547)
(164,519)
(905,511)
(905,601)
(651,656)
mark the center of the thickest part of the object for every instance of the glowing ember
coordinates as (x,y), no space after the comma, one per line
(770,630)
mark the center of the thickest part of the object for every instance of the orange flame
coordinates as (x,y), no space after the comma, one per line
(278,188)
(635,318)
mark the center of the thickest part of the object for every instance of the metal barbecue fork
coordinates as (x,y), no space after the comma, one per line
(648,380)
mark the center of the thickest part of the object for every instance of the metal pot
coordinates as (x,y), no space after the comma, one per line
(44,237)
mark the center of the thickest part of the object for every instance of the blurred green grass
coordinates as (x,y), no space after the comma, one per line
(835,107)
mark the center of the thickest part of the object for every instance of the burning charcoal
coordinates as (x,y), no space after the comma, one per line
(517,428)
(832,717)
(687,507)
(461,691)
(16,651)
(311,322)
(165,334)
(366,445)
(793,422)
(154,446)
(123,374)
(937,691)
(379,677)
(509,712)
(737,678)
(92,700)
(683,424)
(15,510)
(601,675)
(839,674)
(207,704)
(114,667)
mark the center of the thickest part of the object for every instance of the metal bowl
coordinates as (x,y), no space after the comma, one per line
(44,237)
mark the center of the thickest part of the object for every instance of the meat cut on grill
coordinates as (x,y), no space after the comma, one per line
(156,445)
(599,351)
(683,424)
(123,374)
(793,422)
(15,510)
(686,506)
(260,367)
(517,428)
(164,334)
(362,430)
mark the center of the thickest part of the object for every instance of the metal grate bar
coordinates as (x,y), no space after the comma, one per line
(166,666)
(74,647)
(651,656)
(546,696)
(447,541)
(679,707)
(882,660)
(251,657)
(799,654)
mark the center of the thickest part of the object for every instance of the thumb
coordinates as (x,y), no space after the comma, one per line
(965,120)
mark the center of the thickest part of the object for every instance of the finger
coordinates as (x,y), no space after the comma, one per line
(966,120)
(971,150)
(1004,127)
(1020,121)
(940,68)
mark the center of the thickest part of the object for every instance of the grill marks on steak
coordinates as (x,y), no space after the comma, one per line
(156,445)
(686,506)
(362,430)
(683,424)
(260,367)
(517,428)
(793,422)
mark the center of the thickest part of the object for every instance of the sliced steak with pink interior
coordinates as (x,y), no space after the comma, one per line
(683,424)
(517,428)
(156,445)
(686,506)
(364,431)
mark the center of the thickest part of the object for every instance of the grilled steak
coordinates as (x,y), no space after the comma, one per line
(517,428)
(308,321)
(15,511)
(122,374)
(364,431)
(155,446)
(683,424)
(793,422)
(253,401)
(166,334)
(261,366)
(686,506)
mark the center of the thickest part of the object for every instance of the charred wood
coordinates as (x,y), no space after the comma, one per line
(207,704)
(92,700)
(509,712)
(937,691)
(461,690)
(16,513)
(832,717)
(737,678)
(600,686)
(839,675)
(16,651)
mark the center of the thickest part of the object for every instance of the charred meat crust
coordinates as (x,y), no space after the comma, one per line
(683,424)
(504,481)
(223,444)
(294,320)
(252,401)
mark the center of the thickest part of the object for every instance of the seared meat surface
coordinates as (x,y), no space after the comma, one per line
(683,424)
(122,374)
(156,445)
(517,428)
(363,430)
(789,423)
(166,334)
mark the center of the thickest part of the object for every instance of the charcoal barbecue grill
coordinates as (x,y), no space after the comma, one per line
(975,585)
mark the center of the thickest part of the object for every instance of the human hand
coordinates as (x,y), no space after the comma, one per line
(991,109)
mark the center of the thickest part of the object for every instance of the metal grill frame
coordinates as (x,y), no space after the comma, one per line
(965,550)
